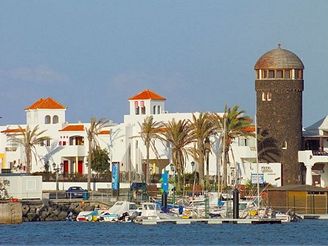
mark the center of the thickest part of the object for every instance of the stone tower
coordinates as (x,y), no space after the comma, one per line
(279,87)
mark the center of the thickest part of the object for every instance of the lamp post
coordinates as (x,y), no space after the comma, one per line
(56,170)
(193,166)
(174,189)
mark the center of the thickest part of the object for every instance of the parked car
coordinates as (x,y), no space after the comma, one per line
(76,192)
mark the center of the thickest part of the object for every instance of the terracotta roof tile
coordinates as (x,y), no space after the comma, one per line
(105,132)
(147,94)
(45,103)
(16,130)
(73,128)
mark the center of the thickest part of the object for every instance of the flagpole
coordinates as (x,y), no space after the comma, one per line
(257,166)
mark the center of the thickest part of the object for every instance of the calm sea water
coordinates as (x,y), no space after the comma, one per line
(314,232)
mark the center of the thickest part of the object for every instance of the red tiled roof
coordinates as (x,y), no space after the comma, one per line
(73,128)
(250,128)
(16,130)
(45,103)
(104,132)
(147,94)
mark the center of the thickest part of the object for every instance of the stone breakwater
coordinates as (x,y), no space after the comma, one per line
(51,211)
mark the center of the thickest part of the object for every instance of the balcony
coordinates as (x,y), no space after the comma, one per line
(73,150)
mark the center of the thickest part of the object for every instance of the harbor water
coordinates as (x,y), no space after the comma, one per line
(306,232)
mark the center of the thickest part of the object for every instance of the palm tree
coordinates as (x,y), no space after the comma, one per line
(149,132)
(177,134)
(234,123)
(29,138)
(201,129)
(96,126)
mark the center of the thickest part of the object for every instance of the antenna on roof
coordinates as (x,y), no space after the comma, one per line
(279,45)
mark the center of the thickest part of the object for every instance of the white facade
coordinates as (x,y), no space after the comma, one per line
(69,145)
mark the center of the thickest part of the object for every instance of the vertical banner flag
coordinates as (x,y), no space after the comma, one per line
(165,181)
(115,175)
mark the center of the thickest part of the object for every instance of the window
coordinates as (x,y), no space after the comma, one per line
(55,119)
(47,119)
(257,74)
(48,142)
(279,74)
(143,110)
(137,144)
(136,107)
(287,74)
(154,109)
(271,74)
(264,74)
(284,145)
(269,96)
(266,96)
(298,74)
(158,109)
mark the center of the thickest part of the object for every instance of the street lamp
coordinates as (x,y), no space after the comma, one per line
(193,166)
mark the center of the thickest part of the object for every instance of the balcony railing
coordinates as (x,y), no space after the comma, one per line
(318,152)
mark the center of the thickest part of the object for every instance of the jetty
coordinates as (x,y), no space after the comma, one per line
(179,221)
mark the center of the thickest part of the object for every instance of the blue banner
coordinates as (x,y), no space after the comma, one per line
(115,175)
(165,181)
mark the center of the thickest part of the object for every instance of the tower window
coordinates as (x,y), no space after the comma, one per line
(136,107)
(266,96)
(47,119)
(279,74)
(143,108)
(271,74)
(264,74)
(298,74)
(154,109)
(269,96)
(158,109)
(284,145)
(287,74)
(55,119)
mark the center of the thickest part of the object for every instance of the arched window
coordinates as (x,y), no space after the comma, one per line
(269,96)
(47,119)
(55,119)
(154,109)
(158,109)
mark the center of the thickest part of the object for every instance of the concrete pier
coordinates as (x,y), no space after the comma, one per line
(10,213)
(179,221)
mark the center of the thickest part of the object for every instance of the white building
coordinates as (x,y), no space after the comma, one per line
(69,145)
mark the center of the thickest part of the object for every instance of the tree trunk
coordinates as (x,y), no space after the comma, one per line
(201,169)
(147,165)
(28,160)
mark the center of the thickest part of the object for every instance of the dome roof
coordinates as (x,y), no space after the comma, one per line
(278,59)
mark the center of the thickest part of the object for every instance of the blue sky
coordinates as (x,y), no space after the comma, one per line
(93,55)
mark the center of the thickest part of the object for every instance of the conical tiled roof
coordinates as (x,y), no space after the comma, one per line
(45,103)
(147,94)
